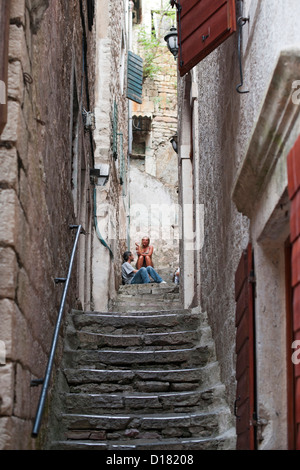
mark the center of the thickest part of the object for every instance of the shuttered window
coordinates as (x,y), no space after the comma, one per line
(293,163)
(134,77)
(202,26)
(245,370)
(4,32)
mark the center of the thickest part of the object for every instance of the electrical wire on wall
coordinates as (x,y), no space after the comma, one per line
(97,228)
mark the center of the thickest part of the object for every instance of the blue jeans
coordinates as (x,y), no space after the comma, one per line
(142,276)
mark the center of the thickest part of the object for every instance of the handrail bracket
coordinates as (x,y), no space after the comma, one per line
(72,227)
(45,381)
(36,382)
(59,280)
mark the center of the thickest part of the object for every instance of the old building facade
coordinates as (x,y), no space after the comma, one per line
(74,153)
(65,64)
(239,104)
(45,160)
(113,41)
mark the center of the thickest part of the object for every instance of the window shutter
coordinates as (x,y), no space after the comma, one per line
(4,32)
(202,26)
(134,77)
(245,370)
(293,163)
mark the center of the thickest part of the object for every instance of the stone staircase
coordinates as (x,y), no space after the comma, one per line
(142,376)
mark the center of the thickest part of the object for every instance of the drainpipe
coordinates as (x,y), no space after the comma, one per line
(130,11)
(130,137)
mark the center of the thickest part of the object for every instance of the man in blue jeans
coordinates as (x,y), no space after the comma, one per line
(138,276)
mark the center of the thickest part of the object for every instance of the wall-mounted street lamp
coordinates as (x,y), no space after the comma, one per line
(174,143)
(171,39)
(99,176)
(88,120)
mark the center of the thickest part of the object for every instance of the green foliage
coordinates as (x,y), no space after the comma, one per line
(150,45)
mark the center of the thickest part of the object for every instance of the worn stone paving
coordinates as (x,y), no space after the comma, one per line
(141,376)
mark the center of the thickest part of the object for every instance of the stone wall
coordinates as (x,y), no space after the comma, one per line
(39,196)
(113,23)
(226,121)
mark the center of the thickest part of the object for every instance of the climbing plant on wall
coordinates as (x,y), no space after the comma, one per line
(149,45)
(152,43)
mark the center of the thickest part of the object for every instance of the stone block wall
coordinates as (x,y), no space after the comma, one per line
(36,199)
(226,121)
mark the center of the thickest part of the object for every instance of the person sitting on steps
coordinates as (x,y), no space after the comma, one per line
(144,253)
(138,276)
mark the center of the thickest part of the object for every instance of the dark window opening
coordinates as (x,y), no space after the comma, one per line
(137,12)
(90,13)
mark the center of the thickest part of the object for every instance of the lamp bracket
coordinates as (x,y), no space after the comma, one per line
(99,176)
(179,8)
(174,3)
(88,120)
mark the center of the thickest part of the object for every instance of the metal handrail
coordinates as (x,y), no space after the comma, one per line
(46,379)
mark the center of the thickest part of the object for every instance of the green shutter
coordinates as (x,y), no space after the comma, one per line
(134,77)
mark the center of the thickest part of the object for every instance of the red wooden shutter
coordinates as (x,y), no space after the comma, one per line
(202,26)
(245,370)
(4,31)
(293,162)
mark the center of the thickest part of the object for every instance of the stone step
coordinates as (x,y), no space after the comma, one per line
(90,340)
(179,402)
(147,291)
(143,426)
(85,380)
(142,375)
(127,306)
(134,322)
(148,296)
(225,441)
(152,288)
(96,359)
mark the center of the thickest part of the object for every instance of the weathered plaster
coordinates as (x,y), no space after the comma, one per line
(243,140)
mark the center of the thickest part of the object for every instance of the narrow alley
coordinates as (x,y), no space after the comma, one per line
(174,122)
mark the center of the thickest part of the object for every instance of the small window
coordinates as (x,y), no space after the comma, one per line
(137,12)
(141,124)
